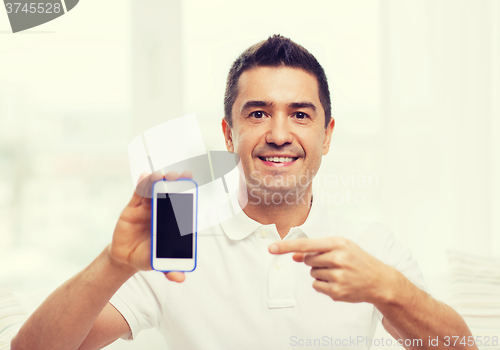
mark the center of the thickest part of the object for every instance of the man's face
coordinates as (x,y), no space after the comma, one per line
(278,128)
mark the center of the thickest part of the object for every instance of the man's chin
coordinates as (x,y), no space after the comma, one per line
(276,186)
(277,195)
(280,184)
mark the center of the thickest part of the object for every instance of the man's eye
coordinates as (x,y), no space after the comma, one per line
(301,115)
(258,114)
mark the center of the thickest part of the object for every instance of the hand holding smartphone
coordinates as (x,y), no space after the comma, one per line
(174,225)
(131,243)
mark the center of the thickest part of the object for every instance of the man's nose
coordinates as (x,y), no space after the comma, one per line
(279,131)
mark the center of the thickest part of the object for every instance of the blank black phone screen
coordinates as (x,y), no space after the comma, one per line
(174,225)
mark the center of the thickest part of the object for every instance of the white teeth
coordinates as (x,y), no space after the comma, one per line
(279,159)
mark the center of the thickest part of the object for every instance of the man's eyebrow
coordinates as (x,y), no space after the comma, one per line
(297,105)
(251,104)
(294,105)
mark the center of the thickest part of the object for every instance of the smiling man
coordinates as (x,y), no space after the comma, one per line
(279,129)
(248,292)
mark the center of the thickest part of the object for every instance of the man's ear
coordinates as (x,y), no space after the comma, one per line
(226,130)
(328,136)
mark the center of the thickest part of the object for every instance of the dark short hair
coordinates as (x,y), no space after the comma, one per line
(276,51)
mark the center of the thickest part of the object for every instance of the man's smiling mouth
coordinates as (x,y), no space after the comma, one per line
(279,159)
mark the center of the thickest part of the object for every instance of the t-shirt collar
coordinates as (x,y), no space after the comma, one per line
(316,225)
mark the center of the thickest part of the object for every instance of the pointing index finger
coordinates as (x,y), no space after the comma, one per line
(303,245)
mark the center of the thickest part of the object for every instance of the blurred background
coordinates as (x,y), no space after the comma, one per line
(415,91)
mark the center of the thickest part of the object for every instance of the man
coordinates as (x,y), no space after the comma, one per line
(247,292)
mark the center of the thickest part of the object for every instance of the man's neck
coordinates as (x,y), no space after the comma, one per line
(286,213)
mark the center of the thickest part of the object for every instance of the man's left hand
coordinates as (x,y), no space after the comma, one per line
(342,270)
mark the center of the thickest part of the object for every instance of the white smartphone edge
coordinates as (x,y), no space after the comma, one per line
(172,264)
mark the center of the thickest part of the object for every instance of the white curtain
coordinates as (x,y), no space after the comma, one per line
(440,135)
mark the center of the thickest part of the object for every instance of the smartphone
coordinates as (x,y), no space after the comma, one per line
(174,211)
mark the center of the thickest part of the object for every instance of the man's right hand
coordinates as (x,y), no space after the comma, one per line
(131,244)
(78,315)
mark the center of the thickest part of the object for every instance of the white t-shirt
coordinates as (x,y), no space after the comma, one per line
(242,297)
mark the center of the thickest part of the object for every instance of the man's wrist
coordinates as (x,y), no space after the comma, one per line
(116,268)
(389,288)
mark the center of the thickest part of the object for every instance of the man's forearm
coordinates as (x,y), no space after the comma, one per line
(65,318)
(412,314)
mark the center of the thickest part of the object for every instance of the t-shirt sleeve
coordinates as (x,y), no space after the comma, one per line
(395,254)
(138,301)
